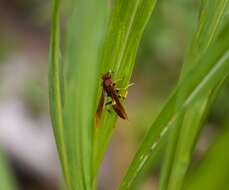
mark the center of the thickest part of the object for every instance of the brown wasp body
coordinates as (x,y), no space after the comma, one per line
(111,91)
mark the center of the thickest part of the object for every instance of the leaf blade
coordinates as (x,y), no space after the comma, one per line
(119,52)
(55,94)
(211,17)
(197,84)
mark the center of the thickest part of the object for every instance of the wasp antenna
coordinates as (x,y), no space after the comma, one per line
(131,84)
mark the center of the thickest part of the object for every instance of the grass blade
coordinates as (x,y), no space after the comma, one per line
(206,73)
(212,173)
(185,132)
(55,94)
(85,32)
(6,177)
(73,118)
(127,23)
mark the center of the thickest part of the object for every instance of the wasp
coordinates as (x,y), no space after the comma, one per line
(109,89)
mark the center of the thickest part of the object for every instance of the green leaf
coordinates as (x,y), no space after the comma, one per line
(212,172)
(6,177)
(126,25)
(186,131)
(85,32)
(55,93)
(209,71)
(73,96)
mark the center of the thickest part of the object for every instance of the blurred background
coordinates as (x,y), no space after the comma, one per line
(27,148)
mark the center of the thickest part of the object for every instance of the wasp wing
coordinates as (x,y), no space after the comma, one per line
(118,107)
(99,109)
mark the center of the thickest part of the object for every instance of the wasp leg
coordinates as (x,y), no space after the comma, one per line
(108,103)
(117,80)
(122,97)
(125,88)
(108,110)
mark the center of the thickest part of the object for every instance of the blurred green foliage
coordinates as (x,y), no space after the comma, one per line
(213,171)
(6,177)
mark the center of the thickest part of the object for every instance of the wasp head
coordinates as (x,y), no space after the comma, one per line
(107,80)
(106,76)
